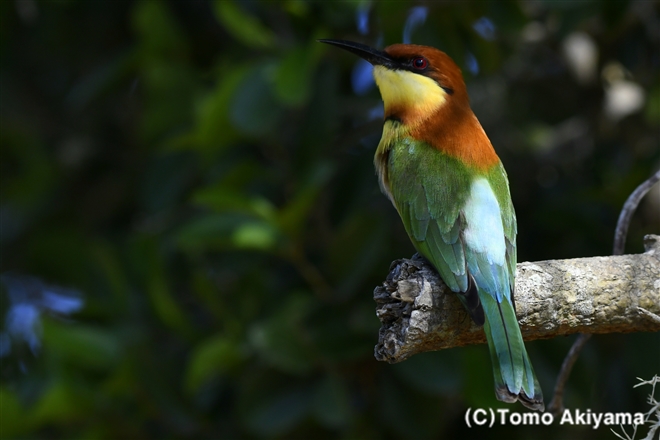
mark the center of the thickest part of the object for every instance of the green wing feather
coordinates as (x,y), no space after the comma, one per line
(430,190)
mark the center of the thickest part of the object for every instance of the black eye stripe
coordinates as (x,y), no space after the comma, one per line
(409,65)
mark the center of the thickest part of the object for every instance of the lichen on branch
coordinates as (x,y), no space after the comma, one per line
(615,294)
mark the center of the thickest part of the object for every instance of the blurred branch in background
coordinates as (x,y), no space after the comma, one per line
(556,405)
(553,298)
(628,210)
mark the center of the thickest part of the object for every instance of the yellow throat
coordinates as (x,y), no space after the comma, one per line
(407,95)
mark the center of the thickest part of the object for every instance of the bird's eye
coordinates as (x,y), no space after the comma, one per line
(420,63)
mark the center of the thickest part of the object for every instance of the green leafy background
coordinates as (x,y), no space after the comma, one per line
(201,171)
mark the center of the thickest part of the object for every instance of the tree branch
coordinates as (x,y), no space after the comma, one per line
(617,294)
(557,403)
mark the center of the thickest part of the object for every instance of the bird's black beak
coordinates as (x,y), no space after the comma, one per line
(374,56)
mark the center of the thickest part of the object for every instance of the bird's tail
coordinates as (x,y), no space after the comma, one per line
(513,372)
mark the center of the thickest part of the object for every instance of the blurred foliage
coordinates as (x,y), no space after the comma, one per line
(202,173)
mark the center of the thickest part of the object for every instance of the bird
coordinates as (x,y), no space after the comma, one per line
(440,171)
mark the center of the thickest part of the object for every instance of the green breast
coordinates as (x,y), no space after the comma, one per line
(434,184)
(412,172)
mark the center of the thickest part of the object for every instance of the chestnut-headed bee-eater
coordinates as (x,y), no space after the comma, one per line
(439,169)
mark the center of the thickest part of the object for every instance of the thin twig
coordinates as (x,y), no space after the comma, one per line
(628,210)
(557,403)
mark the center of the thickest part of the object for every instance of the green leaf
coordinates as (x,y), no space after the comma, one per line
(107,263)
(158,33)
(292,78)
(254,109)
(227,231)
(255,235)
(12,416)
(213,357)
(652,111)
(214,130)
(211,231)
(242,26)
(158,287)
(293,75)
(167,80)
(87,346)
(57,404)
(294,215)
(148,262)
(31,177)
(223,198)
(164,304)
(298,8)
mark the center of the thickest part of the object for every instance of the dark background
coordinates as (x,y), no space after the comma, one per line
(192,228)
